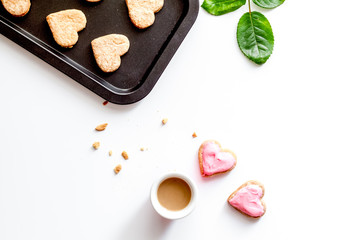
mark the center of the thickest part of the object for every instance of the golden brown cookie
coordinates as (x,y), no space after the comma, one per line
(247,199)
(65,26)
(17,8)
(108,50)
(142,12)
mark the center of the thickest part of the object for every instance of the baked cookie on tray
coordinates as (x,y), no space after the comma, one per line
(108,50)
(142,12)
(65,26)
(17,8)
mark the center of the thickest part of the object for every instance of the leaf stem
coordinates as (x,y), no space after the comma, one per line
(249,6)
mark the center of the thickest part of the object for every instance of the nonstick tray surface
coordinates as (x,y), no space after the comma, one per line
(150,50)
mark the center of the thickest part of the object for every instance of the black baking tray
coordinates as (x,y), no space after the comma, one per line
(150,50)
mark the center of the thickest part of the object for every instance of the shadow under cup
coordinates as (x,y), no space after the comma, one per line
(165,182)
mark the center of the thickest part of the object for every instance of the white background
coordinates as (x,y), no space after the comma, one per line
(294,124)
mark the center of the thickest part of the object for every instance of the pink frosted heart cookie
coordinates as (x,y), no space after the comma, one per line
(214,160)
(248,199)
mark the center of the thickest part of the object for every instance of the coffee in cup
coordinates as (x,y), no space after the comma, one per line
(173,195)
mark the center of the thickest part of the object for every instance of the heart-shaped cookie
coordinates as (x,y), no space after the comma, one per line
(248,199)
(142,12)
(108,50)
(17,8)
(214,160)
(65,26)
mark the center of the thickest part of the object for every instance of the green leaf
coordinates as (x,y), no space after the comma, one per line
(268,3)
(220,7)
(255,37)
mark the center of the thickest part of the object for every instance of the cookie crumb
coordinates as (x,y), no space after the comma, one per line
(110,153)
(101,127)
(125,155)
(105,103)
(96,145)
(117,169)
(164,121)
(194,135)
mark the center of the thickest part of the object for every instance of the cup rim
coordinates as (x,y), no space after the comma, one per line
(162,211)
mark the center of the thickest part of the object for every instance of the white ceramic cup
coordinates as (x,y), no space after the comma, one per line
(168,213)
